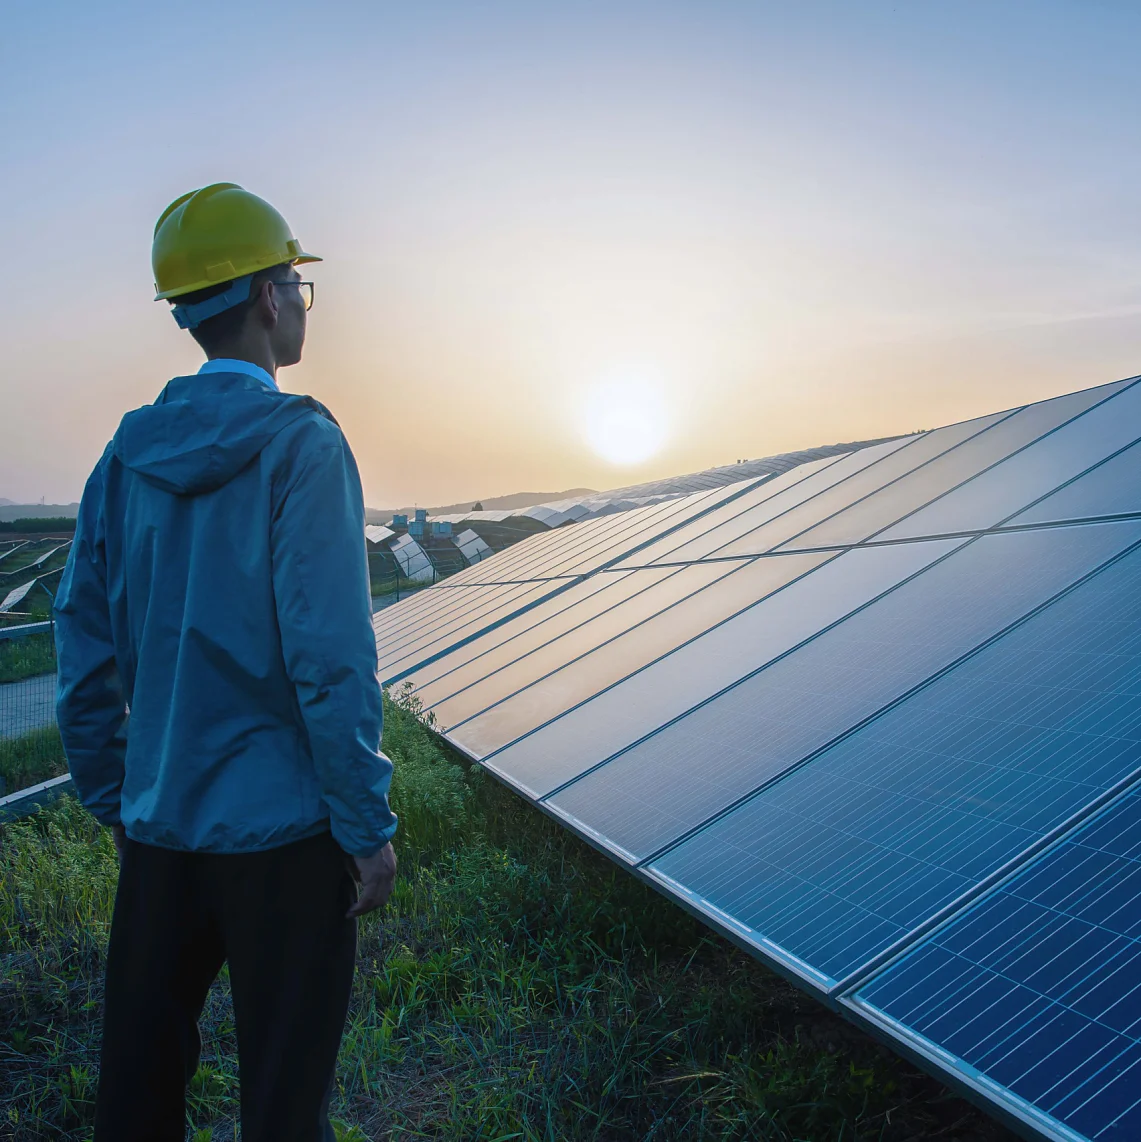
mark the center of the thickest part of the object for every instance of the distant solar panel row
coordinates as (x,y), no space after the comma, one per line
(877,717)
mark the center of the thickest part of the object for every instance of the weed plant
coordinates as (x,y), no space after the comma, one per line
(30,759)
(25,657)
(518,986)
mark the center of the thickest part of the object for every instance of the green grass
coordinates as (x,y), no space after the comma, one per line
(383,585)
(519,986)
(26,657)
(30,759)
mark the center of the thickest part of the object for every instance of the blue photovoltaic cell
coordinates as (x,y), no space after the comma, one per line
(848,853)
(469,602)
(601,653)
(584,547)
(537,653)
(578,721)
(921,486)
(1112,488)
(421,631)
(393,664)
(1039,985)
(601,539)
(999,492)
(778,494)
(437,606)
(645,798)
(702,536)
(631,540)
(587,597)
(863,487)
(420,602)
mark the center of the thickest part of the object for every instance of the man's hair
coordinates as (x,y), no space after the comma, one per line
(216,332)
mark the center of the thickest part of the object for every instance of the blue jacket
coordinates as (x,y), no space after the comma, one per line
(218,587)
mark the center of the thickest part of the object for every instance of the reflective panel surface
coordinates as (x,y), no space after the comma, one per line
(1039,985)
(850,852)
(946,471)
(1111,488)
(863,484)
(692,673)
(1007,488)
(646,798)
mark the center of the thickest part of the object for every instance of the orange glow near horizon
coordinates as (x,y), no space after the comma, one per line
(570,248)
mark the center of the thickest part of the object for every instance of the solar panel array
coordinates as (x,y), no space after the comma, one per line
(876,718)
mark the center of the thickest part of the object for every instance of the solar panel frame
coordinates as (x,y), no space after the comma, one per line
(984,502)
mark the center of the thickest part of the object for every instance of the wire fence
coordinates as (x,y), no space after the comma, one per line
(30,746)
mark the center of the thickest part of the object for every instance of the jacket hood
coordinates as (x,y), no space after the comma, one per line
(204,429)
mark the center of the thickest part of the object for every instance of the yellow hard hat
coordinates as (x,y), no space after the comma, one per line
(217,234)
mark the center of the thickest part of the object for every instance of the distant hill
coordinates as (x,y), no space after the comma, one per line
(491,503)
(10,511)
(4,502)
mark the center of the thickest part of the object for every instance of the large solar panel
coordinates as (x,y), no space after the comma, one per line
(643,799)
(1037,987)
(550,732)
(698,538)
(865,718)
(946,471)
(865,482)
(1111,488)
(855,849)
(480,598)
(1004,489)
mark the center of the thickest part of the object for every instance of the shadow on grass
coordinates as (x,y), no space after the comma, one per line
(519,986)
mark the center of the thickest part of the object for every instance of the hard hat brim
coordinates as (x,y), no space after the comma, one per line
(300,260)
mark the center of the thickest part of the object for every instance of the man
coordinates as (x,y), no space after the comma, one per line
(218,590)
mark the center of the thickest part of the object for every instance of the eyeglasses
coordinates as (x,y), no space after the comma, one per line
(306,289)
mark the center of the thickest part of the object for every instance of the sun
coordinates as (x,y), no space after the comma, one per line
(625,420)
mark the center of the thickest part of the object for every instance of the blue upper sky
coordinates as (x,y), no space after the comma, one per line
(767,225)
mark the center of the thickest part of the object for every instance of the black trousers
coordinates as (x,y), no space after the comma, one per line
(278,918)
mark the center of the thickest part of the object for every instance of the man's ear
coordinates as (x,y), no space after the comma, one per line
(267,304)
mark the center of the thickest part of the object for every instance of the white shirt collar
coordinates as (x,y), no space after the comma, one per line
(233,365)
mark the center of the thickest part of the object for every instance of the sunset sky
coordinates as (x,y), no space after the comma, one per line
(582,244)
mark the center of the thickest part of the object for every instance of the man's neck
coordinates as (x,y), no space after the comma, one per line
(260,357)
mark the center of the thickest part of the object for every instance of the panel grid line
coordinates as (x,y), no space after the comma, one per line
(613,638)
(745,678)
(1049,906)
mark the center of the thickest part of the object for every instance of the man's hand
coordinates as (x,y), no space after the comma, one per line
(119,836)
(376,874)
